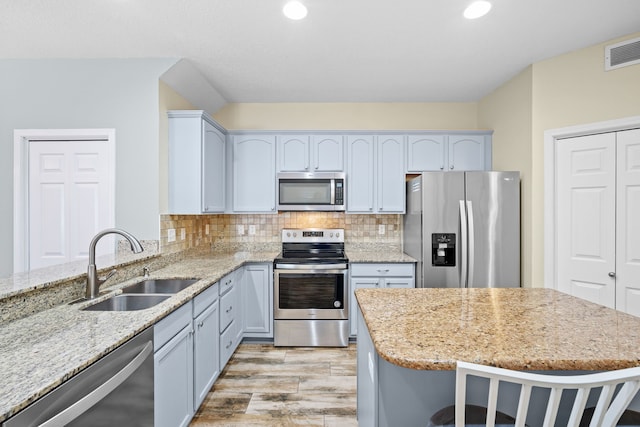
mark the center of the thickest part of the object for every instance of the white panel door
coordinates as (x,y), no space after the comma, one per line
(628,222)
(586,208)
(69,200)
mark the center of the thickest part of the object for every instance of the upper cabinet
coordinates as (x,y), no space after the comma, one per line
(254,173)
(448,152)
(310,153)
(375,174)
(196,163)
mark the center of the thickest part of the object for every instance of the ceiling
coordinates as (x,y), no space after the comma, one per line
(344,51)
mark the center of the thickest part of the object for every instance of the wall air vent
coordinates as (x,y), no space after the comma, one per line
(622,54)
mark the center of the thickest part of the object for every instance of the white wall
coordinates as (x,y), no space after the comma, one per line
(114,93)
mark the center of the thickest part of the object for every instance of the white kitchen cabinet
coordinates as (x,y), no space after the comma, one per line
(206,345)
(360,173)
(173,369)
(254,173)
(387,275)
(310,153)
(376,178)
(448,152)
(257,301)
(389,175)
(197,162)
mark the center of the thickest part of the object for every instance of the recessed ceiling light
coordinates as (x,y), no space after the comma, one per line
(294,10)
(477,9)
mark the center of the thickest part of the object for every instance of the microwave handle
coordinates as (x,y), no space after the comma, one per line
(333,191)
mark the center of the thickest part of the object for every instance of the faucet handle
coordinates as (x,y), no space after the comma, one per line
(111,273)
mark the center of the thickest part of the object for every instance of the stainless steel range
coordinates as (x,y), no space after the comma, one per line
(311,289)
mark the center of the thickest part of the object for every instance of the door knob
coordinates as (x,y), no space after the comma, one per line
(612,274)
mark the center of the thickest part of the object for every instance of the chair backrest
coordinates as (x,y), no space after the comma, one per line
(606,413)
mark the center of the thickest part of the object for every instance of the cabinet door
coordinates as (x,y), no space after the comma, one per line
(467,152)
(426,153)
(327,153)
(358,283)
(293,153)
(213,169)
(206,353)
(390,178)
(360,179)
(254,177)
(257,301)
(173,381)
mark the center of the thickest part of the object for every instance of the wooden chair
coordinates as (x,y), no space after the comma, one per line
(617,389)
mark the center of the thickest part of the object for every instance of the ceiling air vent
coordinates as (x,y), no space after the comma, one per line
(622,54)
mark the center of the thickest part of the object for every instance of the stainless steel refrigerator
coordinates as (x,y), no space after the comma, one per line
(464,229)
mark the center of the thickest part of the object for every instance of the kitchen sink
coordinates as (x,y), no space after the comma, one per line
(159,286)
(128,302)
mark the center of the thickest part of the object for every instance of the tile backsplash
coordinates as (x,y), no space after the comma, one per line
(264,229)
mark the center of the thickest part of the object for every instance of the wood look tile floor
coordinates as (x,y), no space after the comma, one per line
(263,385)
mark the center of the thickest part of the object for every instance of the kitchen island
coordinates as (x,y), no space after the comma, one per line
(410,339)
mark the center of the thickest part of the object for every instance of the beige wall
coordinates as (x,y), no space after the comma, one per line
(168,99)
(348,116)
(508,111)
(566,90)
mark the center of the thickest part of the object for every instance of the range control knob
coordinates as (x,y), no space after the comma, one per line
(295,234)
(337,234)
(288,234)
(331,234)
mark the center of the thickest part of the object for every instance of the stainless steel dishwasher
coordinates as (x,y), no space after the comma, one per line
(117,390)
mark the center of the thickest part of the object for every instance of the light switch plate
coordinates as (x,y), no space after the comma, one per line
(183,234)
(171,235)
(206,229)
(381,229)
(252,230)
(240,229)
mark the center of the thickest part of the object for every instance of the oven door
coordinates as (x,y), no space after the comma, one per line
(310,294)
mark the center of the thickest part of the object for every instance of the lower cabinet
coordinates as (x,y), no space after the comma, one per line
(366,275)
(173,369)
(186,359)
(257,300)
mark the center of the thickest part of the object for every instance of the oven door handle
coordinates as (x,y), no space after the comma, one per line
(330,268)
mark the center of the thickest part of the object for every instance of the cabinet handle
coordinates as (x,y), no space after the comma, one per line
(229,309)
(441,167)
(201,324)
(383,270)
(612,274)
(229,345)
(451,167)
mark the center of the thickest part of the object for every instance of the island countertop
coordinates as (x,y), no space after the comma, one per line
(523,329)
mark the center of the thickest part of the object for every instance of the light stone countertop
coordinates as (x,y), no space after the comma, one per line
(381,256)
(39,352)
(522,329)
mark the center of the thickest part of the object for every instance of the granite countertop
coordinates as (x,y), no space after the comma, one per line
(41,351)
(381,256)
(522,329)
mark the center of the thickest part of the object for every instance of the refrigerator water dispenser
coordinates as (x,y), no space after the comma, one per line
(443,249)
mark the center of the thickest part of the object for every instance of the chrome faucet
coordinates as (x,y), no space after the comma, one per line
(93,281)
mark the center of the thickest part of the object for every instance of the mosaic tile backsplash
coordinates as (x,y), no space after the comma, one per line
(263,230)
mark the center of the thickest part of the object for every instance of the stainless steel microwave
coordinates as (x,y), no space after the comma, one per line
(315,191)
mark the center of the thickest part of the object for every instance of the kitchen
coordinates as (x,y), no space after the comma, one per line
(560,100)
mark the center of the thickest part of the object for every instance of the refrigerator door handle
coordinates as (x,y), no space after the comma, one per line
(472,245)
(463,244)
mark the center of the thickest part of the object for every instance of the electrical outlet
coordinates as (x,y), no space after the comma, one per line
(206,229)
(381,229)
(171,235)
(252,230)
(183,234)
(240,229)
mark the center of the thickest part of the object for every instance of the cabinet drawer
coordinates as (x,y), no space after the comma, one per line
(205,299)
(226,283)
(228,309)
(381,270)
(228,343)
(168,327)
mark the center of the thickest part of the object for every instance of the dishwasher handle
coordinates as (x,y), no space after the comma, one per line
(87,402)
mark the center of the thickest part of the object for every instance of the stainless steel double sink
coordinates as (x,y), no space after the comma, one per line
(142,295)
